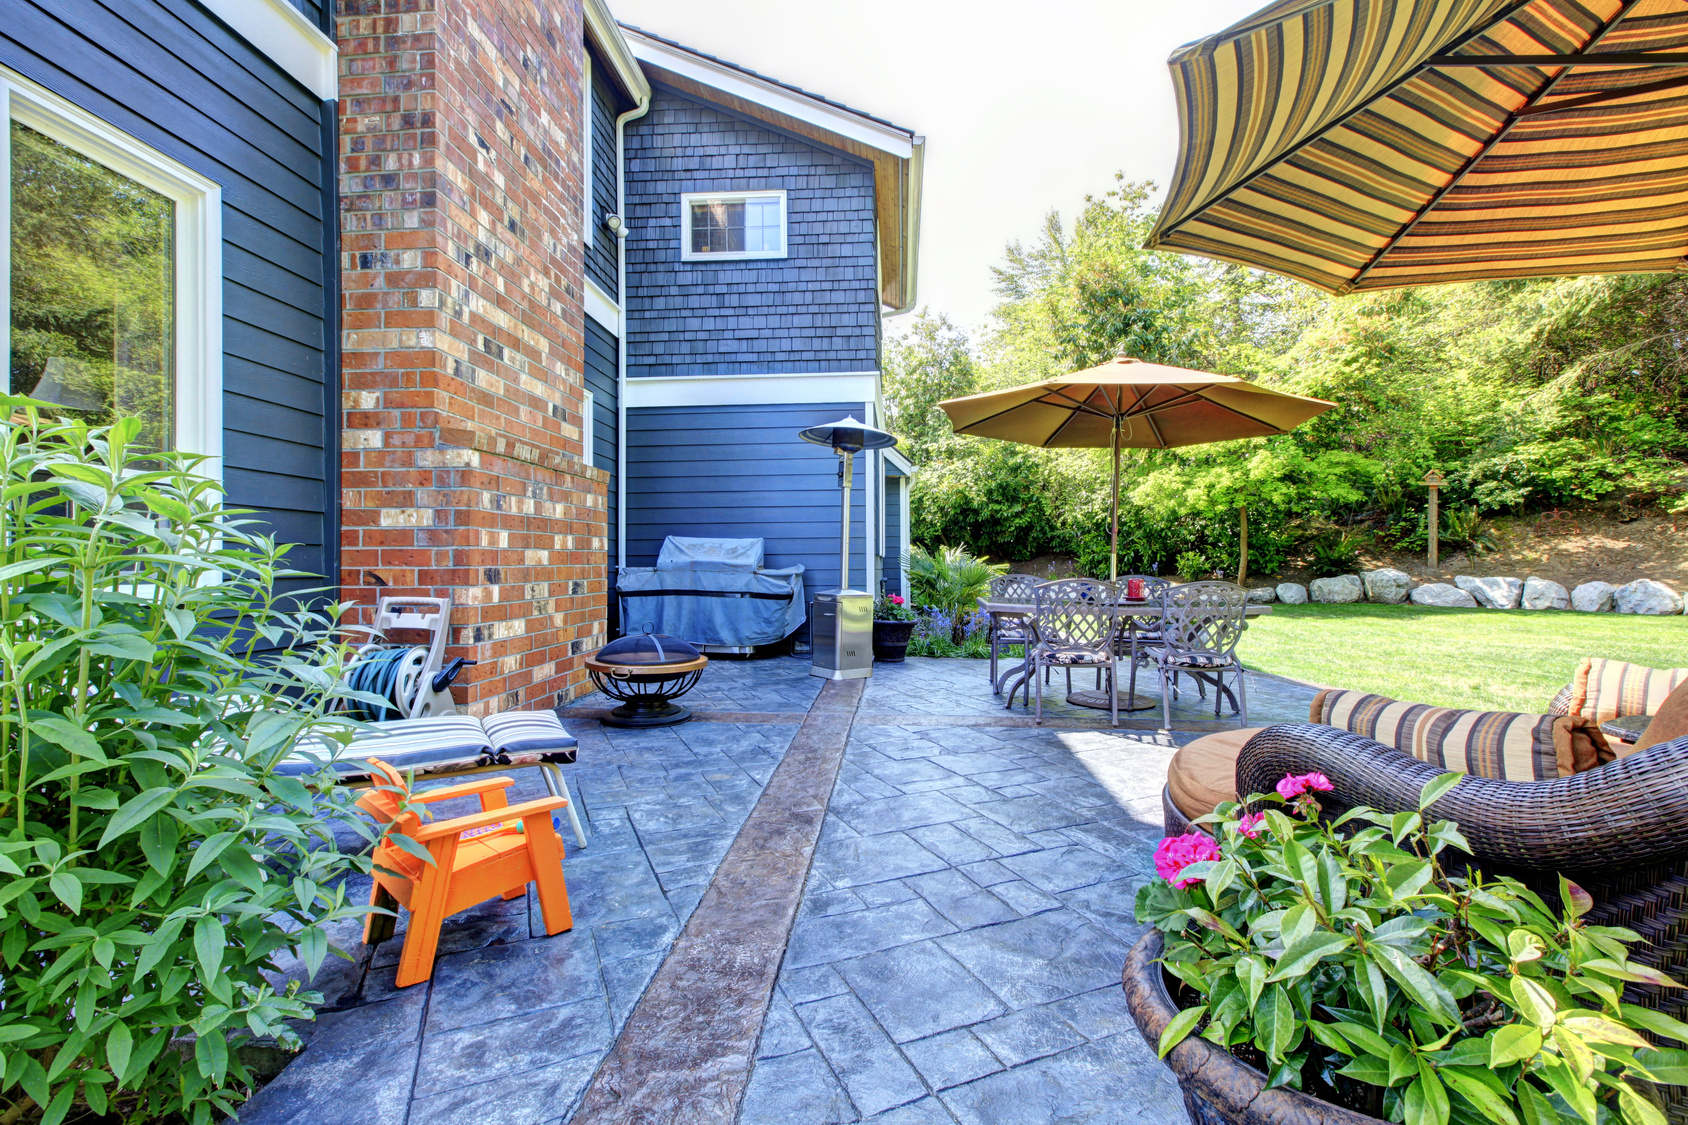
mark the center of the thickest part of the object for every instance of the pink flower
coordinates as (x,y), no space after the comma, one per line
(1175,853)
(896,599)
(1249,825)
(1295,785)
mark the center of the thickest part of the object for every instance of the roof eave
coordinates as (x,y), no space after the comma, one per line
(605,35)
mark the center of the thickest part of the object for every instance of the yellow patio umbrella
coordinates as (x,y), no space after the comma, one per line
(1128,403)
(1369,144)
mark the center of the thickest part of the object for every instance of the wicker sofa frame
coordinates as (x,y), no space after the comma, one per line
(1620,831)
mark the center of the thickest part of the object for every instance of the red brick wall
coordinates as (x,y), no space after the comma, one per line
(460,196)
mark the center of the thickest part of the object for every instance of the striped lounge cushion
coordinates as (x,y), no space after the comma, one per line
(441,743)
(1493,744)
(1604,689)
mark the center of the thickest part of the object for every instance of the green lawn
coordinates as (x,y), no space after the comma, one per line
(1485,659)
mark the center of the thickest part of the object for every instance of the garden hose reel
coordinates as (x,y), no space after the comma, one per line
(414,680)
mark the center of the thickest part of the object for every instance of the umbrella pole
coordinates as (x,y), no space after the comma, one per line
(1113,531)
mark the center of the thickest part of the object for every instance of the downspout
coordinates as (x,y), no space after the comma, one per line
(620,228)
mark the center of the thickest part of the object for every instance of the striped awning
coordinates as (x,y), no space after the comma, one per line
(1369,144)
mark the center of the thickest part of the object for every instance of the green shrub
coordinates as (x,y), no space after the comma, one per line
(952,582)
(1193,566)
(1355,955)
(1464,527)
(156,864)
(1335,554)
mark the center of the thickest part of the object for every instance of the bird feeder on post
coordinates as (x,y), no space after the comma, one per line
(1433,480)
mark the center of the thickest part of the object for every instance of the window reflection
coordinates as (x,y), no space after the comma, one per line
(93,288)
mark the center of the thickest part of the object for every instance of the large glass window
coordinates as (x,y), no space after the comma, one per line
(111,268)
(93,287)
(750,225)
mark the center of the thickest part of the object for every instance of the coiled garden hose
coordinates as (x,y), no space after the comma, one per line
(377,674)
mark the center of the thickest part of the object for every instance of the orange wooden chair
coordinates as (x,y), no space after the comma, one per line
(496,851)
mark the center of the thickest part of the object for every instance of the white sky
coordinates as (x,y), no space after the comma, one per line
(1025,107)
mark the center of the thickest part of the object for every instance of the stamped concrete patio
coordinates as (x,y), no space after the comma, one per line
(914,908)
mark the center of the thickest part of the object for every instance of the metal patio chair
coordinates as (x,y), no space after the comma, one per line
(1005,633)
(1201,623)
(1075,623)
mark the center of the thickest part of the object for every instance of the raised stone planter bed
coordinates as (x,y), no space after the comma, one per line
(1646,596)
(1341,590)
(1219,1089)
(1442,594)
(1540,593)
(1593,597)
(1492,593)
(1386,585)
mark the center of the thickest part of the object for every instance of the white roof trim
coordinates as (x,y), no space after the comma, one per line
(291,41)
(750,390)
(601,26)
(729,81)
(902,463)
(602,309)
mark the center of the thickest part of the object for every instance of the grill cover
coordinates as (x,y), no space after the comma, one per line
(647,648)
(712,592)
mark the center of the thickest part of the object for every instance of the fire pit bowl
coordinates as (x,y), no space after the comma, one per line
(645,671)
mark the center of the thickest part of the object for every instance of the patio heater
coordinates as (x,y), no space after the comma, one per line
(841,629)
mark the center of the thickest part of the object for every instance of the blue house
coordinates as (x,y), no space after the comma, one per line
(761,233)
(479,300)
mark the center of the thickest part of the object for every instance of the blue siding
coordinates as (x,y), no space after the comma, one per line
(178,80)
(894,546)
(742,471)
(815,310)
(601,381)
(600,255)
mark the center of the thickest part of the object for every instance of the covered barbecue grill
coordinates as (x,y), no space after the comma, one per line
(714,593)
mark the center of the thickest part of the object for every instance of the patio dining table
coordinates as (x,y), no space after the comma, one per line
(1124,612)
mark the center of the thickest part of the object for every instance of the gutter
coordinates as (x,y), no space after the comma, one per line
(915,176)
(621,231)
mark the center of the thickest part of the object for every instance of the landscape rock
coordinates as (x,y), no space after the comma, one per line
(1387,585)
(1646,596)
(1292,593)
(1593,597)
(1262,595)
(1541,593)
(1494,593)
(1442,594)
(1341,590)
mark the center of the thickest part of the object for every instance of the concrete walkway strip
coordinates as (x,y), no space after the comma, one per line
(686,1051)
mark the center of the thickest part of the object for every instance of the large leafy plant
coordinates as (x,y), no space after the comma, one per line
(951,581)
(157,871)
(1355,960)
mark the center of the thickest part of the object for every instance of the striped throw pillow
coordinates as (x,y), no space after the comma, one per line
(1493,744)
(1604,689)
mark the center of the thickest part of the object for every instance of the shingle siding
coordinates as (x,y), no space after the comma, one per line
(600,255)
(815,310)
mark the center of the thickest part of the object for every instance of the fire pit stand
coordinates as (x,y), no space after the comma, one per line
(646,672)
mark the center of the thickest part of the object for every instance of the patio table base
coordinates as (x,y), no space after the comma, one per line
(1099,700)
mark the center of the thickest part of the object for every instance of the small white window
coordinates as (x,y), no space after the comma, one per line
(732,225)
(588,428)
(111,262)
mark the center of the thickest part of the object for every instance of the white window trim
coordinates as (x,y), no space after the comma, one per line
(772,389)
(199,250)
(588,427)
(691,197)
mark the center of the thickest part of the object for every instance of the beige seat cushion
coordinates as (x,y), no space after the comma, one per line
(1670,721)
(1204,773)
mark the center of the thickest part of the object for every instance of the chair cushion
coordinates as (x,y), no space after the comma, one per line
(1198,660)
(1670,721)
(1495,744)
(1075,656)
(1604,689)
(1204,773)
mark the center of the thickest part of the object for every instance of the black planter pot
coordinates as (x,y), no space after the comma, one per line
(890,640)
(1219,1089)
